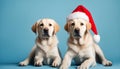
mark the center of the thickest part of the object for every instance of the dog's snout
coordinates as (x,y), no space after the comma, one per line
(46,30)
(76,30)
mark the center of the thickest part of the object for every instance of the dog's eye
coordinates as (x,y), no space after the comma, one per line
(81,24)
(50,24)
(72,24)
(41,24)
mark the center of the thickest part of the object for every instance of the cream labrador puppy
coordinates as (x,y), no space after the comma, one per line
(81,46)
(45,49)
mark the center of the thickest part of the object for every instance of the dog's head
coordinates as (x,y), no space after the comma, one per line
(45,28)
(77,27)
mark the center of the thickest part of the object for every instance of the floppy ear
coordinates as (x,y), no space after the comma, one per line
(88,26)
(66,27)
(34,27)
(57,28)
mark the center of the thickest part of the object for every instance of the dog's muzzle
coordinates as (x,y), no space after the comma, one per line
(46,32)
(77,32)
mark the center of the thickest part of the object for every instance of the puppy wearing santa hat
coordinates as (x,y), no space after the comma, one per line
(82,46)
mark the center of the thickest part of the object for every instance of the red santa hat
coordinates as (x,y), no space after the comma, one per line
(82,12)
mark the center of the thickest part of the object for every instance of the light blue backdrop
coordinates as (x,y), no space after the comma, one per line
(17,17)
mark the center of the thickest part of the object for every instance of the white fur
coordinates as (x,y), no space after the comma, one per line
(51,31)
(96,38)
(82,30)
(78,15)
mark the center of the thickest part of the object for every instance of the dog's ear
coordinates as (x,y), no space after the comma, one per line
(88,26)
(34,27)
(66,27)
(56,27)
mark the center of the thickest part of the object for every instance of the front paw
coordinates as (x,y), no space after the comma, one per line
(83,66)
(63,67)
(107,63)
(55,63)
(23,63)
(38,63)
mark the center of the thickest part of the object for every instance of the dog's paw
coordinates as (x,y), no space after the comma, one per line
(63,67)
(83,66)
(23,63)
(55,63)
(107,63)
(38,63)
(94,64)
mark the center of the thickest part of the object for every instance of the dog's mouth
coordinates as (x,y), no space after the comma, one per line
(77,36)
(76,33)
(46,35)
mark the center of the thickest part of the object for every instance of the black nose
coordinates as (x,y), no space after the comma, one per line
(76,30)
(46,30)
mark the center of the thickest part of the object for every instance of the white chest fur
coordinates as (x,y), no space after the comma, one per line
(48,47)
(44,46)
(82,51)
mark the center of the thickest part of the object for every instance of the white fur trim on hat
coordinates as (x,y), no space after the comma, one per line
(96,38)
(78,15)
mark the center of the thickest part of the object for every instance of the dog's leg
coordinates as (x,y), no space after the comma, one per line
(87,63)
(56,61)
(99,52)
(67,60)
(27,60)
(38,58)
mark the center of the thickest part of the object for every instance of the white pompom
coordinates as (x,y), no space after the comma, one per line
(96,38)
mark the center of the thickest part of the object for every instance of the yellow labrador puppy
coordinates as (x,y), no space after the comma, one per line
(81,46)
(45,49)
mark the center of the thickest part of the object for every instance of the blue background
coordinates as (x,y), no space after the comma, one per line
(17,17)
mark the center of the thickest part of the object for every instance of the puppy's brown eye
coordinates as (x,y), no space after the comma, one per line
(50,24)
(81,24)
(41,24)
(72,24)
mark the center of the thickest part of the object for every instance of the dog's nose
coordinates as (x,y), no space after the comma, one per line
(76,30)
(45,30)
